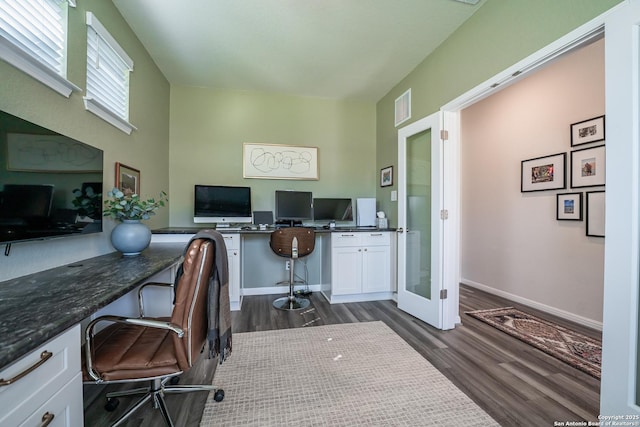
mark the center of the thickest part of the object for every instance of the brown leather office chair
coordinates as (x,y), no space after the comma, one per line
(292,243)
(156,350)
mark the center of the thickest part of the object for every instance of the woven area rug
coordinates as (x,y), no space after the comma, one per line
(358,374)
(577,350)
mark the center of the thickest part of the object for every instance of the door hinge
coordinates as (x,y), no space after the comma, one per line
(443,294)
(444,214)
(444,135)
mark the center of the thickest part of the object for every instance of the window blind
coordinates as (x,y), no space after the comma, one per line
(108,68)
(38,28)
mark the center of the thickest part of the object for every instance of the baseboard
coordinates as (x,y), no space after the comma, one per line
(593,324)
(273,290)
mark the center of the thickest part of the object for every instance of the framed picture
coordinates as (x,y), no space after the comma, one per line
(543,173)
(587,167)
(127,179)
(595,213)
(386,176)
(569,207)
(276,161)
(587,131)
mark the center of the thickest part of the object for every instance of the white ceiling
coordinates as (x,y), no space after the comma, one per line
(356,49)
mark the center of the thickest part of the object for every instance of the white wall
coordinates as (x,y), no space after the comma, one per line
(511,242)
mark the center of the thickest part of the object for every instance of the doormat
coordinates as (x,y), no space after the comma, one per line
(579,351)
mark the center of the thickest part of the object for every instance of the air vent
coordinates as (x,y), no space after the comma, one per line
(403,107)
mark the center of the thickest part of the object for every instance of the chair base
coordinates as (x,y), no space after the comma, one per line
(291,303)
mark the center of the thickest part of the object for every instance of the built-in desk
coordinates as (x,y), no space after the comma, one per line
(42,312)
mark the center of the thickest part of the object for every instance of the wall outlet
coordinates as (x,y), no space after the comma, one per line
(287,265)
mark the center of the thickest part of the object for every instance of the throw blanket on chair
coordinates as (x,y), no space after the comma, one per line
(219,308)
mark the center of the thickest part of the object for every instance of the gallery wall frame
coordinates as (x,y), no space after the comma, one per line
(569,207)
(588,167)
(386,176)
(595,207)
(279,161)
(543,173)
(588,131)
(127,179)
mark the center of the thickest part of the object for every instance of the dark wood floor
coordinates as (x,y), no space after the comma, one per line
(512,381)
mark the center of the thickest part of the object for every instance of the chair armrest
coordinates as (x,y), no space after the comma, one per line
(151,323)
(141,288)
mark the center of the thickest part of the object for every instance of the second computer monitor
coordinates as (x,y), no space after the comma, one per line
(293,206)
(332,209)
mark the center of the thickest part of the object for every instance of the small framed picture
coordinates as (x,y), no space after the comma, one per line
(543,173)
(386,176)
(587,167)
(587,131)
(595,213)
(569,207)
(127,179)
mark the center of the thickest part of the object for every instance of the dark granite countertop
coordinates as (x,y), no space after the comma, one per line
(255,230)
(39,306)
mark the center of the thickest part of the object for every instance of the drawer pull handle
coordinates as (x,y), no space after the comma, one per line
(47,418)
(44,356)
(376,234)
(347,235)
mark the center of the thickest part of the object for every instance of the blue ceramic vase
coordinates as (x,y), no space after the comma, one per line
(130,237)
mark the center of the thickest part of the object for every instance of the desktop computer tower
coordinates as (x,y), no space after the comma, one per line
(366,212)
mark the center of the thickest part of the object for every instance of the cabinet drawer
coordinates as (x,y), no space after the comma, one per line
(345,239)
(64,408)
(20,398)
(232,241)
(376,238)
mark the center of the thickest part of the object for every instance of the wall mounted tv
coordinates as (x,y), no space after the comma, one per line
(293,207)
(50,185)
(222,204)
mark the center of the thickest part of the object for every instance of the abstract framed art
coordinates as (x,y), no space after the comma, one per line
(543,173)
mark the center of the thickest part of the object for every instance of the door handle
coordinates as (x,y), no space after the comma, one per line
(400,230)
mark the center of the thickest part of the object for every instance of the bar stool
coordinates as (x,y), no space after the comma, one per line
(292,243)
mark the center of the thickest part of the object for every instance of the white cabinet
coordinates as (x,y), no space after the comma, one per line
(360,266)
(232,242)
(52,387)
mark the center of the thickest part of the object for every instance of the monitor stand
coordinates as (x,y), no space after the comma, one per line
(288,223)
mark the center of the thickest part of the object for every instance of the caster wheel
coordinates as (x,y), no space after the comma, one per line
(174,380)
(112,404)
(218,395)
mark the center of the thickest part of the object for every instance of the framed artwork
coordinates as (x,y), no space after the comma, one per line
(543,173)
(569,207)
(587,131)
(587,167)
(127,179)
(595,213)
(386,176)
(276,161)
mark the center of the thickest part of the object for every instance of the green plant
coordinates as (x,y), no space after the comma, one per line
(123,207)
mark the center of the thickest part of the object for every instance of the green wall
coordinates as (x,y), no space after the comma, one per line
(499,34)
(146,149)
(209,127)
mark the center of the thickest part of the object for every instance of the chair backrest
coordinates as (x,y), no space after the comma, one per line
(281,241)
(191,301)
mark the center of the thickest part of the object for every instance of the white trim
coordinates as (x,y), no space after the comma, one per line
(36,69)
(107,115)
(590,323)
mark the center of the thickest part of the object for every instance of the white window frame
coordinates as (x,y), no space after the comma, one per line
(29,63)
(95,106)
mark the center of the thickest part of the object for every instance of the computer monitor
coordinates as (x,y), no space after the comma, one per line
(332,209)
(293,207)
(222,204)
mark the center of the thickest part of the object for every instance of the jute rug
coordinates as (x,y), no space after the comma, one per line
(358,374)
(576,349)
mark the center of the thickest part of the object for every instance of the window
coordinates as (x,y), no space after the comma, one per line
(108,70)
(33,38)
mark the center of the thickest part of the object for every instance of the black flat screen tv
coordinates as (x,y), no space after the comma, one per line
(50,184)
(221,204)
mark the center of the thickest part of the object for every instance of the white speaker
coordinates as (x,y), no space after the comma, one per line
(366,212)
